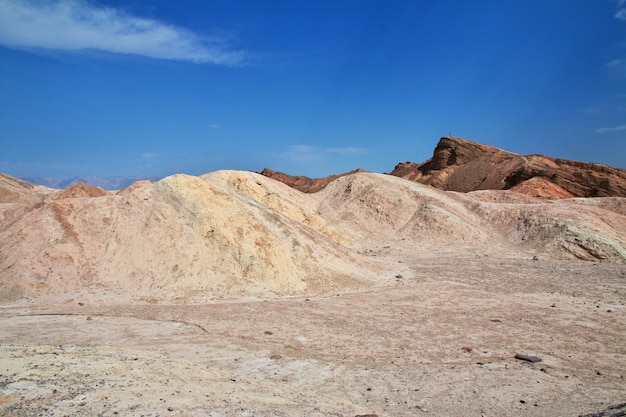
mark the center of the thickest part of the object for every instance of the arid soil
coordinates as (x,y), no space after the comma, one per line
(436,336)
(232,294)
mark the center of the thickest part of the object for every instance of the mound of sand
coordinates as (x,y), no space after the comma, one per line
(183,238)
(231,234)
(78,190)
(379,207)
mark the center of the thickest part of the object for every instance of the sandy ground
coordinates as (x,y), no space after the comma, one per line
(436,336)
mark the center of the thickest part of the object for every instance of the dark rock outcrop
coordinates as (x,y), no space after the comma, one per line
(302,183)
(462,165)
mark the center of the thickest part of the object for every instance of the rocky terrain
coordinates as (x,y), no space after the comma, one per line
(462,165)
(233,293)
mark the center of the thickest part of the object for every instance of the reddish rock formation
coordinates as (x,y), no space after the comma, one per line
(80,189)
(302,183)
(462,165)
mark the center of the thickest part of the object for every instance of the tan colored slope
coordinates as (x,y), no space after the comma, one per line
(232,234)
(270,193)
(581,228)
(369,206)
(180,239)
(13,190)
(381,208)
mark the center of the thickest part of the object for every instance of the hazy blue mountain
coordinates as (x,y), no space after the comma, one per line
(107,183)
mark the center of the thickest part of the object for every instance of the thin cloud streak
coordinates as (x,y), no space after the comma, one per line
(621,10)
(305,153)
(74,25)
(611,129)
(349,150)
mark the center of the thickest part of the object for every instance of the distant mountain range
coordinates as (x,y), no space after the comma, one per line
(107,183)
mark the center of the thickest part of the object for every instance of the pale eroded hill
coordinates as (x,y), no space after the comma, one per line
(180,239)
(231,234)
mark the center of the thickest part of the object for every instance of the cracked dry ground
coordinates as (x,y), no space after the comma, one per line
(437,336)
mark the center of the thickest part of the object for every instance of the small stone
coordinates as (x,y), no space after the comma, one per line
(399,276)
(609,311)
(276,357)
(268,332)
(522,401)
(89,318)
(599,372)
(527,358)
(535,258)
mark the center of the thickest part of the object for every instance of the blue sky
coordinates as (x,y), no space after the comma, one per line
(156,87)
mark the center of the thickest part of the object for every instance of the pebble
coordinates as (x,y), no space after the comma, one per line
(527,358)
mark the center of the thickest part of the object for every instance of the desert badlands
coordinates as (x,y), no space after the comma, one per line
(479,283)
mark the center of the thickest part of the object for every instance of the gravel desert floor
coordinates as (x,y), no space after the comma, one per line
(437,335)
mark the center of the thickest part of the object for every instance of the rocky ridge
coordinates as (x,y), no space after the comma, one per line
(462,165)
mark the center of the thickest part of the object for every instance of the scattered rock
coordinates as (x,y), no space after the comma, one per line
(618,410)
(276,357)
(467,349)
(268,332)
(527,358)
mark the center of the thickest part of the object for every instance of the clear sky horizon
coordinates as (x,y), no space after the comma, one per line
(156,87)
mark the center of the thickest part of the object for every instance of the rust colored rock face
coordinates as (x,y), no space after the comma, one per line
(462,165)
(78,190)
(302,183)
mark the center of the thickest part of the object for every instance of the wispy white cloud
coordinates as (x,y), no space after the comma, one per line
(615,63)
(611,129)
(349,150)
(305,153)
(620,13)
(149,156)
(214,126)
(74,25)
